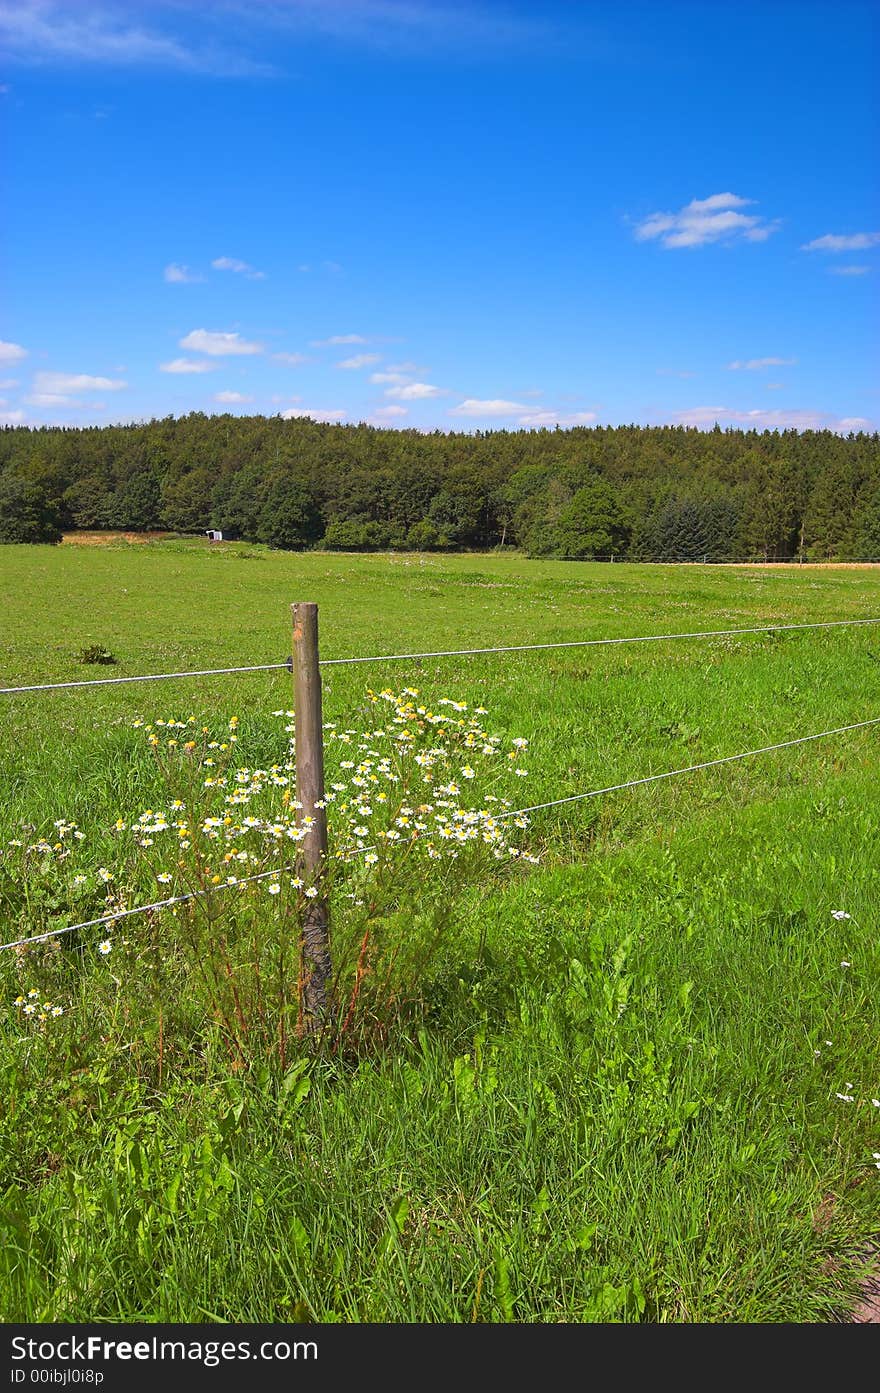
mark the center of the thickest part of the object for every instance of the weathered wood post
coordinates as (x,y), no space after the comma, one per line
(312,850)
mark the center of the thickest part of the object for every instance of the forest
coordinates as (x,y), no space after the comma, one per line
(642,493)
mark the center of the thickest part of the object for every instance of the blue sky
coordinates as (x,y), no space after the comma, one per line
(441,215)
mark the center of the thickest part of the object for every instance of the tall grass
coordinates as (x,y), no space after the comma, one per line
(636,1082)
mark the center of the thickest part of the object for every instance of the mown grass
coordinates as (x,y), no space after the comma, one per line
(616,1100)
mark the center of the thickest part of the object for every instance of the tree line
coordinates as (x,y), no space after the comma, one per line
(652,493)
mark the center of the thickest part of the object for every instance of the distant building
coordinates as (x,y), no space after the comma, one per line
(214,535)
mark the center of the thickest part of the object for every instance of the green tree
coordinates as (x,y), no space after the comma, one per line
(26,513)
(290,518)
(591,524)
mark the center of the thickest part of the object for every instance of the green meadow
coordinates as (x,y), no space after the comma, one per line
(636,1081)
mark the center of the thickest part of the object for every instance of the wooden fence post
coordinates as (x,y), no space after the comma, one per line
(312,850)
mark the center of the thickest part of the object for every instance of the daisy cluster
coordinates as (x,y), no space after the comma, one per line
(410,779)
(56,848)
(406,782)
(35,1011)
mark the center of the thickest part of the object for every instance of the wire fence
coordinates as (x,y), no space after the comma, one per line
(440,653)
(232,882)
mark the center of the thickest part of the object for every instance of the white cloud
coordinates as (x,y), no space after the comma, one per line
(11,352)
(338,339)
(314,413)
(8,382)
(292,360)
(219,345)
(241,268)
(495,406)
(385,377)
(50,399)
(530,416)
(55,399)
(64,382)
(180,275)
(834,242)
(407,367)
(11,418)
(779,419)
(848,270)
(705,220)
(391,411)
(276,399)
(188,365)
(360,360)
(756,364)
(231,397)
(415,391)
(556,418)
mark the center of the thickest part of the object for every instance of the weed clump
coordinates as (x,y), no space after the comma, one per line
(96,653)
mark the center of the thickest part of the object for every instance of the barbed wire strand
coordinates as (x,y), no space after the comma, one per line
(444,653)
(143,908)
(689,769)
(146,677)
(596,642)
(516,812)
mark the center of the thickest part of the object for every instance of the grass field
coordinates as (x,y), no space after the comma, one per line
(618,1095)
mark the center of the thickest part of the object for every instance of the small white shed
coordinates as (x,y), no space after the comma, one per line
(214,535)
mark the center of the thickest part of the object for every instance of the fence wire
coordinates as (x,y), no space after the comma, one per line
(442,653)
(516,812)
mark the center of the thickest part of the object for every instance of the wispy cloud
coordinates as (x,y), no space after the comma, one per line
(406,25)
(338,339)
(388,377)
(292,360)
(415,391)
(704,221)
(49,399)
(12,418)
(241,268)
(54,31)
(848,270)
(779,419)
(8,382)
(64,382)
(184,365)
(756,364)
(531,416)
(56,399)
(557,418)
(360,360)
(232,397)
(846,242)
(390,412)
(11,352)
(219,345)
(175,274)
(314,413)
(493,406)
